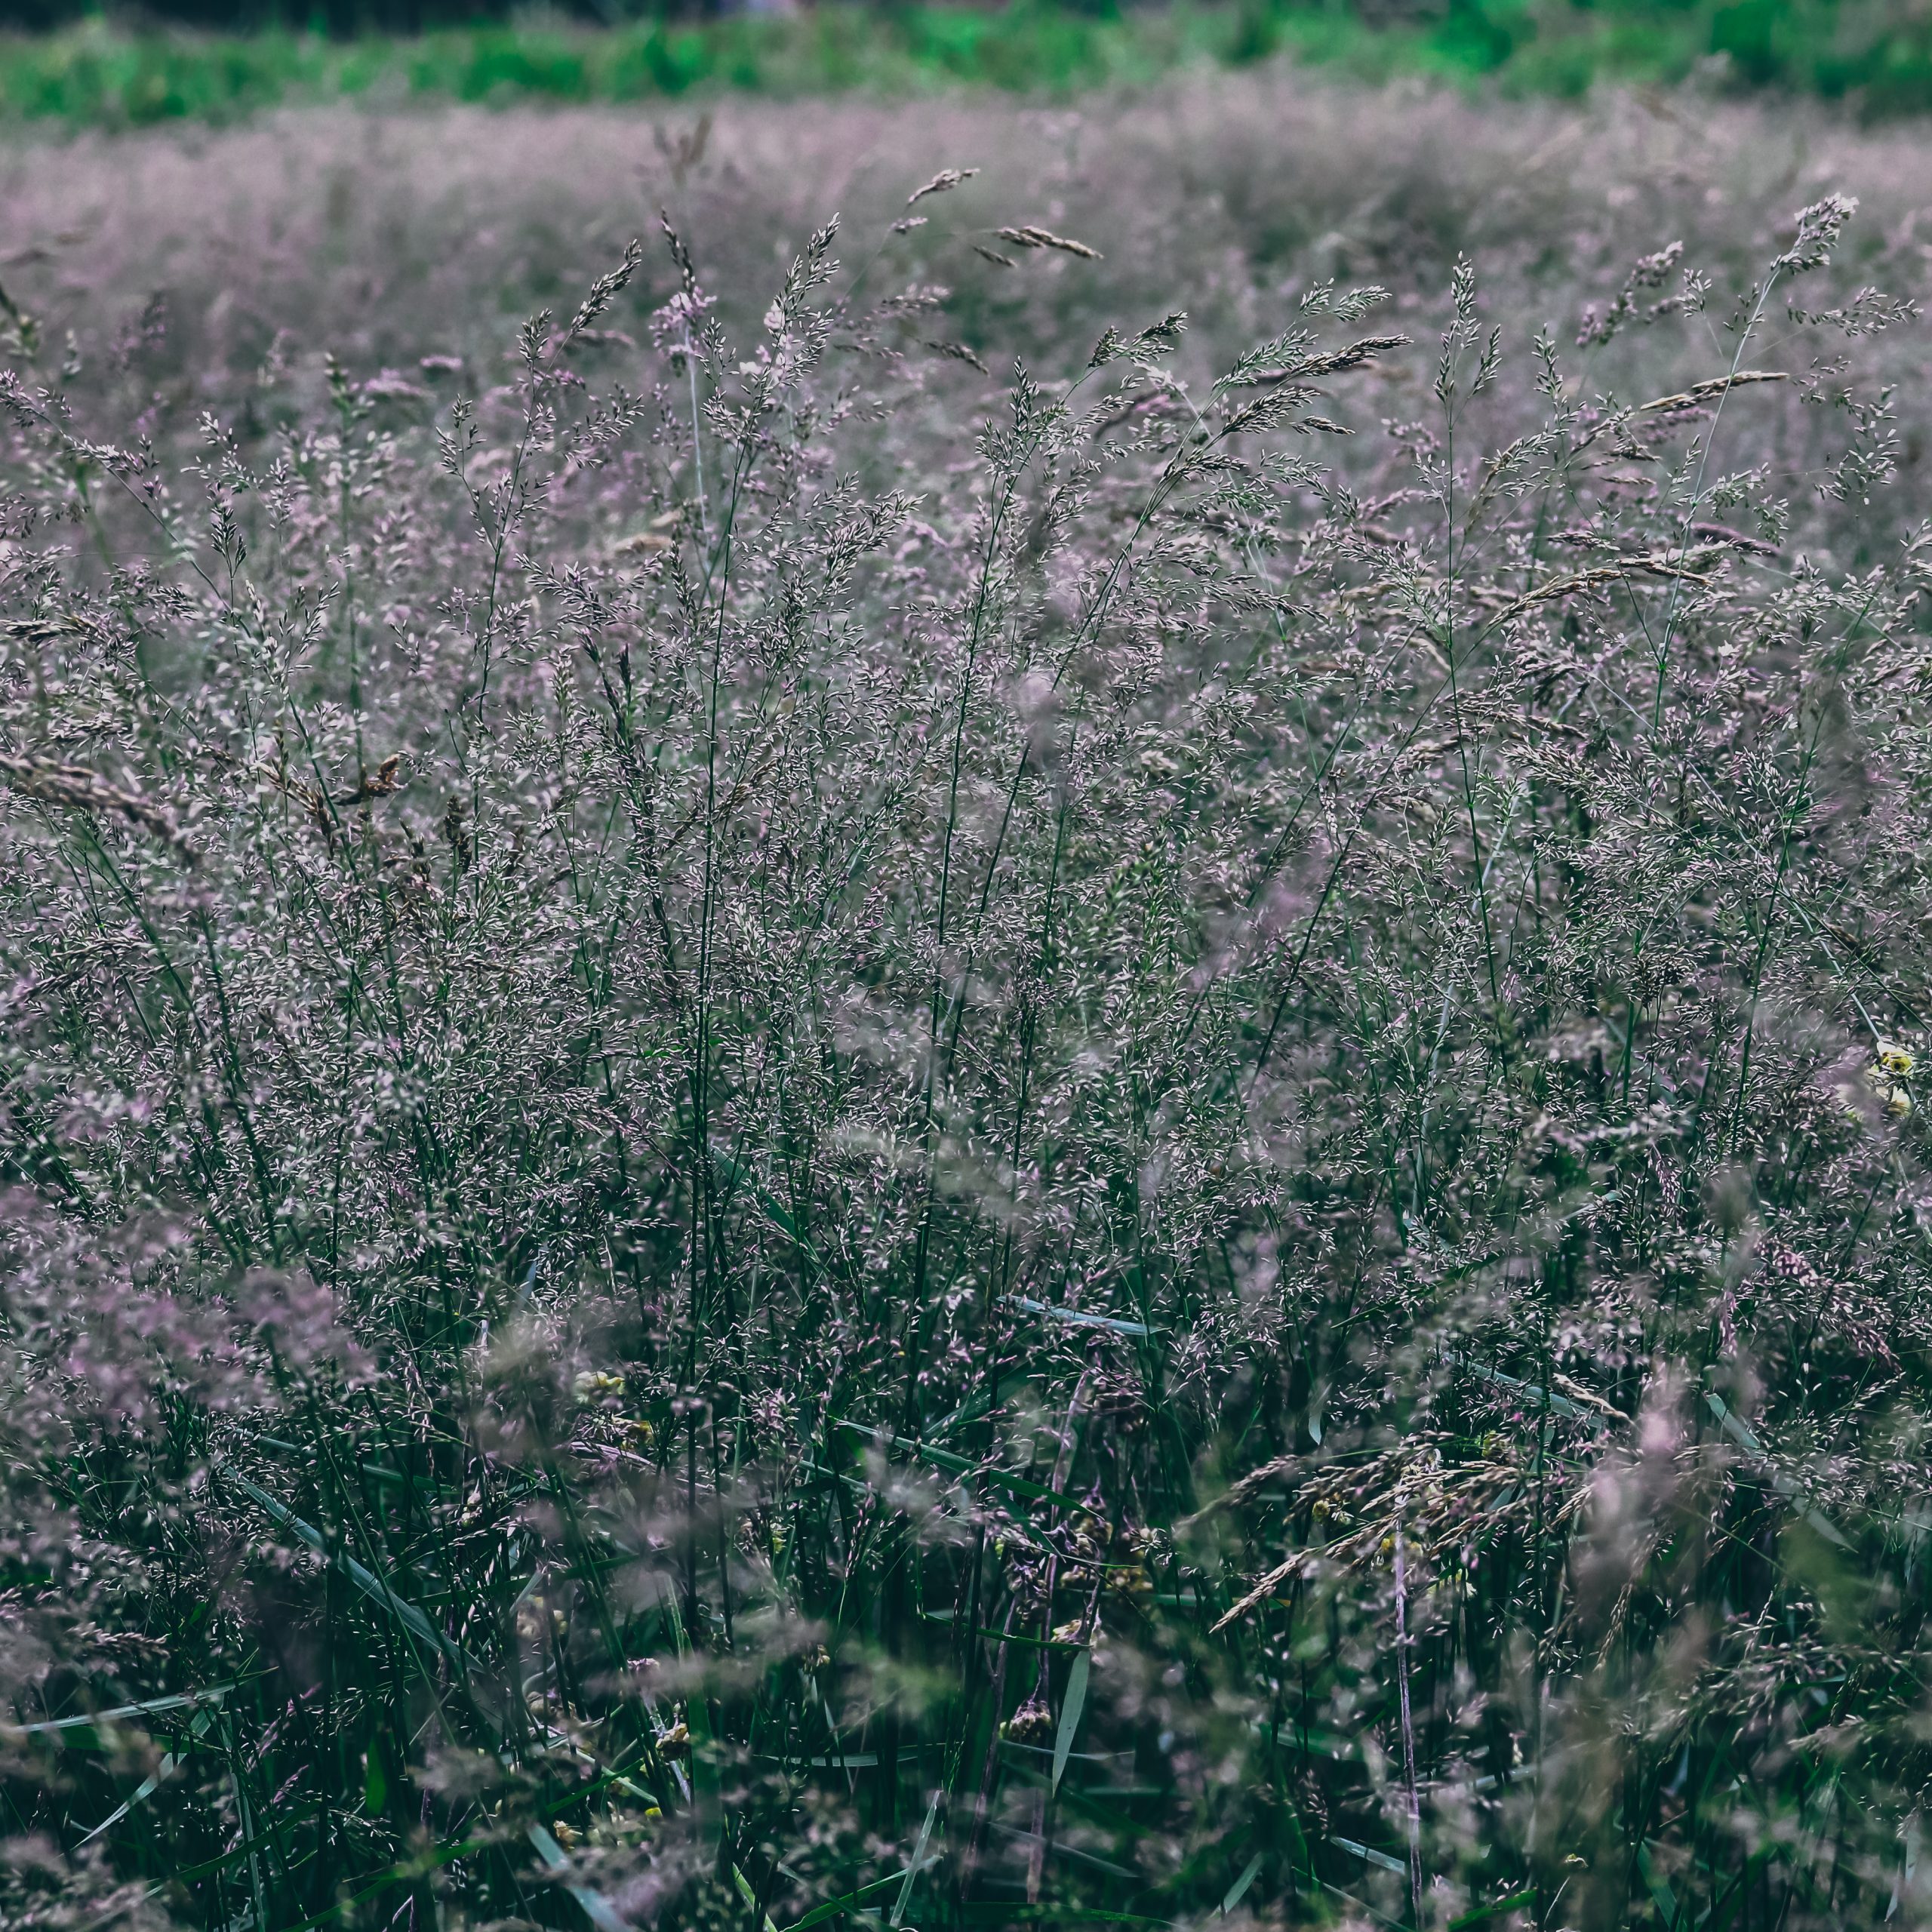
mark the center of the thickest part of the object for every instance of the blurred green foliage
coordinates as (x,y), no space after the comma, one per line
(1874,55)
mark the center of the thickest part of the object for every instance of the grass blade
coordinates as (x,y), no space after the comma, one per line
(596,1907)
(833,1908)
(1071,1713)
(1238,1890)
(365,1580)
(918,1860)
(148,1707)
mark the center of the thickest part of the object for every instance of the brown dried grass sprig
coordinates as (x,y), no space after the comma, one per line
(1031,237)
(76,787)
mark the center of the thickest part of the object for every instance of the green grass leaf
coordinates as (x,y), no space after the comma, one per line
(833,1908)
(1238,1890)
(364,1578)
(1072,1710)
(147,1707)
(595,1906)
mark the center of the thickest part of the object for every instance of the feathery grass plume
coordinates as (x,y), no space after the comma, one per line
(943,182)
(1159,338)
(1030,237)
(79,789)
(959,352)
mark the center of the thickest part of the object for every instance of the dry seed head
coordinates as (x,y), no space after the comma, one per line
(958,351)
(1031,237)
(1031,1723)
(946,178)
(75,786)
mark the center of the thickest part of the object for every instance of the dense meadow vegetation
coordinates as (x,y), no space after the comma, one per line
(1047,1059)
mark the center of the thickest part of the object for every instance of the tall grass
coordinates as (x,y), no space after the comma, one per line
(796,1136)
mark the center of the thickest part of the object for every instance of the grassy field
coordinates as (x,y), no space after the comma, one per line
(1050,1062)
(1874,55)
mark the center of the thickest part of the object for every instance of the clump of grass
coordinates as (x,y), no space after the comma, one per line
(791,1139)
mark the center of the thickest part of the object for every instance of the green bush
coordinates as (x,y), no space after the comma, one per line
(1875,55)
